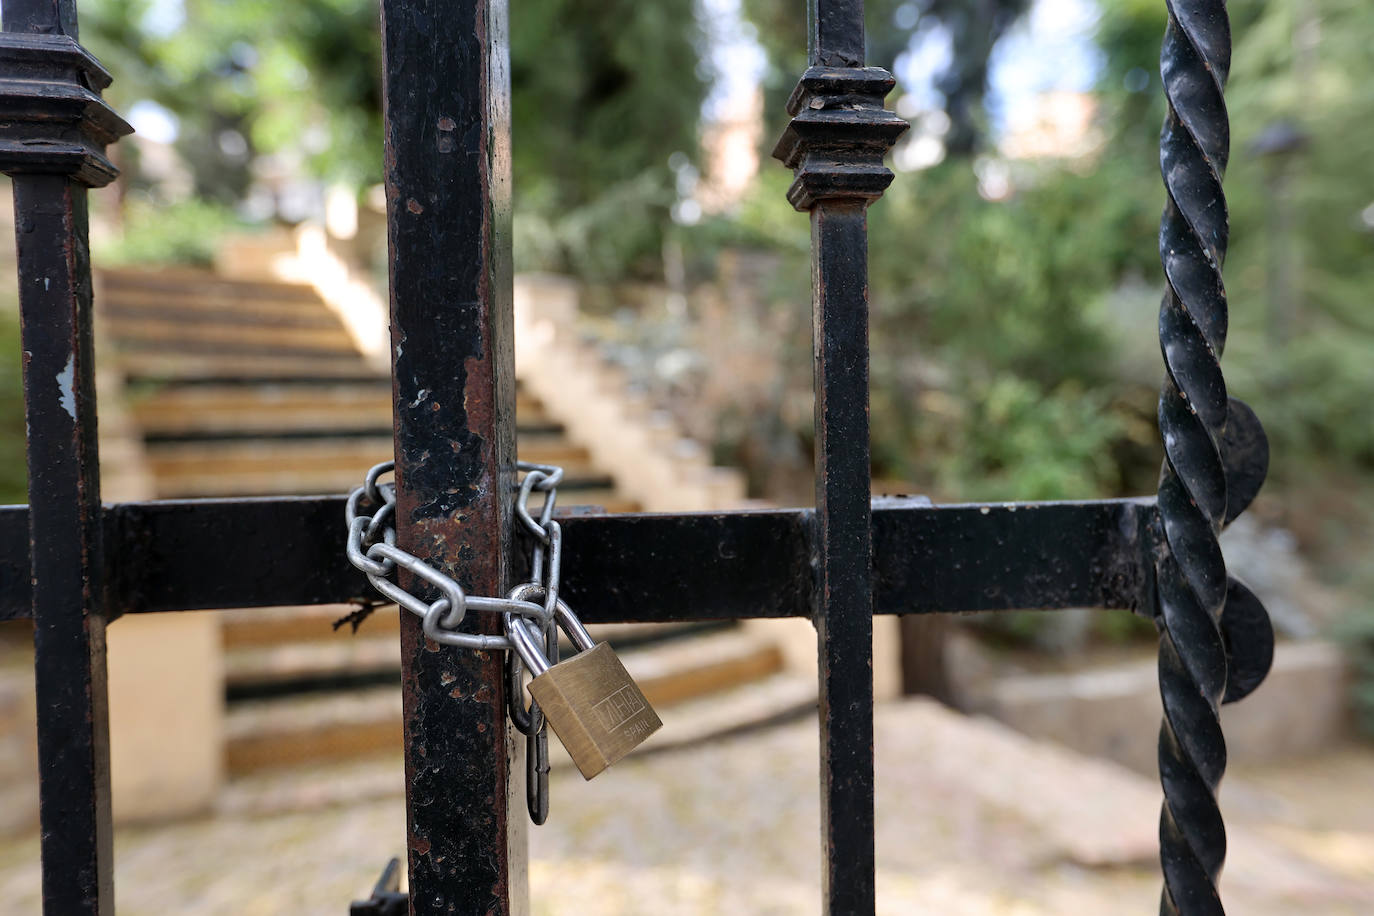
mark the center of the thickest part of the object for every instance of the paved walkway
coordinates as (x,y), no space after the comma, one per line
(972,819)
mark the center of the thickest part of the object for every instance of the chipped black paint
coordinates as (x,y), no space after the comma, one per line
(53,131)
(447,166)
(1215,460)
(835,145)
(175,555)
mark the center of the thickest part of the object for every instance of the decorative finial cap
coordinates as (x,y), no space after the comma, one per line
(838,135)
(52,118)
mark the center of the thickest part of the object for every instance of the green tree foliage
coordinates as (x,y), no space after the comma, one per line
(602,94)
(1031,320)
(1005,302)
(602,91)
(973,26)
(1301,355)
(249,77)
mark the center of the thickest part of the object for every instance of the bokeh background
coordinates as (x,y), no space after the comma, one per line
(664,296)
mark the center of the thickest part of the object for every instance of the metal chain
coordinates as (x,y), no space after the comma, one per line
(545,569)
(371,547)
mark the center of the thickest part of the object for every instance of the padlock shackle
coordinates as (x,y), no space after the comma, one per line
(526,644)
(567,621)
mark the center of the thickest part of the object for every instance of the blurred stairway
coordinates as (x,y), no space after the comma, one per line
(254,387)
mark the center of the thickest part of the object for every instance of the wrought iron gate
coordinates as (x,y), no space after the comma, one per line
(74,565)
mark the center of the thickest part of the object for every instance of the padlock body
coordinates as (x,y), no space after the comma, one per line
(595,708)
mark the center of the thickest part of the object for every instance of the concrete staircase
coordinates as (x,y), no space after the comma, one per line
(254,387)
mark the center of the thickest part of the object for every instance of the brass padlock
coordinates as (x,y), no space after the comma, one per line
(594,706)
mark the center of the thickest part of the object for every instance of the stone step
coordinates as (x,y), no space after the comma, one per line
(1302,708)
(274,669)
(550,448)
(342,724)
(685,669)
(174,463)
(114,310)
(160,366)
(279,408)
(180,334)
(220,297)
(191,283)
(300,482)
(273,789)
(186,412)
(248,628)
(255,628)
(738,709)
(308,730)
(316,481)
(680,661)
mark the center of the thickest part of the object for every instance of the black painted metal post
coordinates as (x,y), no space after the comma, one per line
(51,142)
(1215,641)
(835,142)
(65,538)
(844,600)
(448,213)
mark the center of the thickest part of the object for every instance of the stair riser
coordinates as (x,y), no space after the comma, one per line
(341,741)
(267,419)
(180,334)
(176,282)
(114,311)
(161,368)
(331,743)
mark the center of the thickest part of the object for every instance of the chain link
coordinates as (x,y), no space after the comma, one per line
(371,548)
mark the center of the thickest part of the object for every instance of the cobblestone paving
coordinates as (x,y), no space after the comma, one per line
(972,819)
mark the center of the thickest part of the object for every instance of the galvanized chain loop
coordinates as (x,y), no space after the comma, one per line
(545,570)
(371,547)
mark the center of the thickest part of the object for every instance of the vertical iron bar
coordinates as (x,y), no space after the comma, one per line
(447,125)
(49,17)
(835,144)
(1193,417)
(836,35)
(64,520)
(844,602)
(65,545)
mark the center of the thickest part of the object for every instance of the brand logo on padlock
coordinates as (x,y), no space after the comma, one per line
(619,708)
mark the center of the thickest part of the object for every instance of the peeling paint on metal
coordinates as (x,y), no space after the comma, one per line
(65,379)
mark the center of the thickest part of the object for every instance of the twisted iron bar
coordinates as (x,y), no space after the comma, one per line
(1193,415)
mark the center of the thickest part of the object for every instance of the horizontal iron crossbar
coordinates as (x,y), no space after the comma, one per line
(178,555)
